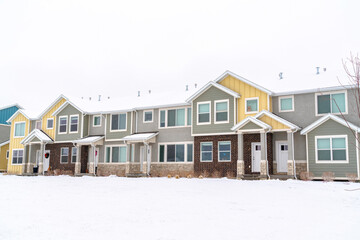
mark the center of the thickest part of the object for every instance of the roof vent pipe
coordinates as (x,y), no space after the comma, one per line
(281,75)
(138,93)
(317,70)
(149,91)
(195,85)
(89,98)
(99,98)
(187,88)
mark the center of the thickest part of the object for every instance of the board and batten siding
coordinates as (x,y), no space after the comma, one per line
(68,111)
(340,170)
(117,135)
(246,91)
(213,94)
(3,160)
(48,114)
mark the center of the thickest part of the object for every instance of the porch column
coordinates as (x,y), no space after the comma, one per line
(41,160)
(240,161)
(128,152)
(290,162)
(263,164)
(24,160)
(92,160)
(28,170)
(78,160)
(144,168)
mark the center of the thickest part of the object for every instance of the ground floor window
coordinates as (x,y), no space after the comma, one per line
(331,148)
(64,155)
(224,151)
(73,154)
(206,149)
(115,154)
(17,157)
(176,152)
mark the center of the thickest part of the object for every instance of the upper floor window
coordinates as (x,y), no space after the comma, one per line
(221,111)
(251,105)
(38,125)
(204,111)
(331,149)
(174,118)
(331,103)
(63,124)
(97,121)
(148,116)
(118,122)
(19,129)
(286,104)
(50,123)
(17,156)
(74,122)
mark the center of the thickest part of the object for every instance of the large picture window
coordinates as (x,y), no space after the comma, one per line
(203,110)
(221,111)
(175,118)
(176,152)
(115,154)
(118,122)
(331,103)
(19,129)
(331,149)
(206,149)
(17,156)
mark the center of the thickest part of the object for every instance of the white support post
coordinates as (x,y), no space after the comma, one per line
(240,161)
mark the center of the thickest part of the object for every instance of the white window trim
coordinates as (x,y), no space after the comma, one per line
(327,93)
(15,129)
(152,116)
(36,123)
(64,155)
(78,120)
(212,151)
(12,156)
(93,120)
(47,123)
(175,143)
(223,151)
(248,99)
(166,117)
(220,101)
(197,113)
(111,146)
(331,155)
(118,130)
(292,102)
(7,154)
(73,154)
(67,123)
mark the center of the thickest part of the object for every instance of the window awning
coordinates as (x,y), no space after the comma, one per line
(140,137)
(38,136)
(95,140)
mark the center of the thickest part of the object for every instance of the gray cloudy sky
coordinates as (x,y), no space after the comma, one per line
(84,47)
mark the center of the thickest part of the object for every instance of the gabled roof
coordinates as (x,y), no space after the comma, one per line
(277,118)
(4,143)
(253,120)
(43,137)
(17,113)
(51,105)
(327,117)
(229,73)
(88,140)
(213,84)
(64,105)
(12,105)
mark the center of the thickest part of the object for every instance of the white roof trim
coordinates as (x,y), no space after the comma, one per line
(88,140)
(277,118)
(139,137)
(324,119)
(4,143)
(64,105)
(52,104)
(253,120)
(12,105)
(15,114)
(314,90)
(39,134)
(213,84)
(227,73)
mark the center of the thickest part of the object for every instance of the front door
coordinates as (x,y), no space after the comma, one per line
(46,160)
(255,157)
(84,158)
(282,156)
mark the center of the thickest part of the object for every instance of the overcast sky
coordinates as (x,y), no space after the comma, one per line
(83,48)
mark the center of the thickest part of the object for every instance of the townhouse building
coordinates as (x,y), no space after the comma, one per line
(228,127)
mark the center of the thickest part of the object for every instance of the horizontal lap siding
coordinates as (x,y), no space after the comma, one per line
(68,111)
(331,127)
(120,134)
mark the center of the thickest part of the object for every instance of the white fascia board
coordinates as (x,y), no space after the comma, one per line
(253,120)
(12,105)
(64,105)
(52,104)
(277,118)
(4,143)
(314,90)
(15,114)
(213,84)
(227,73)
(185,104)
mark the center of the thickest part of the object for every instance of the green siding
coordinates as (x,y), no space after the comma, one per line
(331,127)
(250,125)
(35,139)
(213,94)
(86,126)
(119,134)
(67,111)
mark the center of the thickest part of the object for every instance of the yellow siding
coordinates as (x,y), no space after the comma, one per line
(15,143)
(51,132)
(3,160)
(273,123)
(246,91)
(270,104)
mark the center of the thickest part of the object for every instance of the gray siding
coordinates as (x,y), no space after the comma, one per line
(299,143)
(4,133)
(331,127)
(86,126)
(119,134)
(96,130)
(67,111)
(213,94)
(250,125)
(150,126)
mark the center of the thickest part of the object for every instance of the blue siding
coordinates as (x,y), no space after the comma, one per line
(6,113)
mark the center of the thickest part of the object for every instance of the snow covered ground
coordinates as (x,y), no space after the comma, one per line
(160,208)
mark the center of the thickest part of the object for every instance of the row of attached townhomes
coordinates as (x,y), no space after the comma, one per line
(228,127)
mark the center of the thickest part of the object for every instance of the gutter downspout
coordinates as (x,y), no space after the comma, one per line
(43,155)
(293,153)
(147,160)
(266,157)
(93,146)
(136,121)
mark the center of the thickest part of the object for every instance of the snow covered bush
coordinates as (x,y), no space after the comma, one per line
(351,177)
(328,176)
(306,176)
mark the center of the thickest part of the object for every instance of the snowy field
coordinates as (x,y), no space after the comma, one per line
(160,208)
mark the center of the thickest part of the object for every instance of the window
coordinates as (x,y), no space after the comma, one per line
(331,149)
(148,116)
(97,121)
(331,103)
(74,122)
(203,113)
(162,118)
(19,129)
(286,104)
(64,155)
(224,153)
(63,124)
(174,118)
(176,152)
(251,105)
(38,124)
(7,154)
(115,154)
(206,151)
(222,111)
(73,154)
(17,157)
(118,122)
(50,123)
(189,116)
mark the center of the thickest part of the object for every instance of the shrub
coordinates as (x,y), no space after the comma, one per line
(177,176)
(216,174)
(201,177)
(169,175)
(206,174)
(189,176)
(351,177)
(306,176)
(230,174)
(328,176)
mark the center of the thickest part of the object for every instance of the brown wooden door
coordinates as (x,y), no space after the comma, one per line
(84,158)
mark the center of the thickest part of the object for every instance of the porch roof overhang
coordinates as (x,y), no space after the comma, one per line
(91,140)
(36,133)
(141,137)
(291,126)
(240,126)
